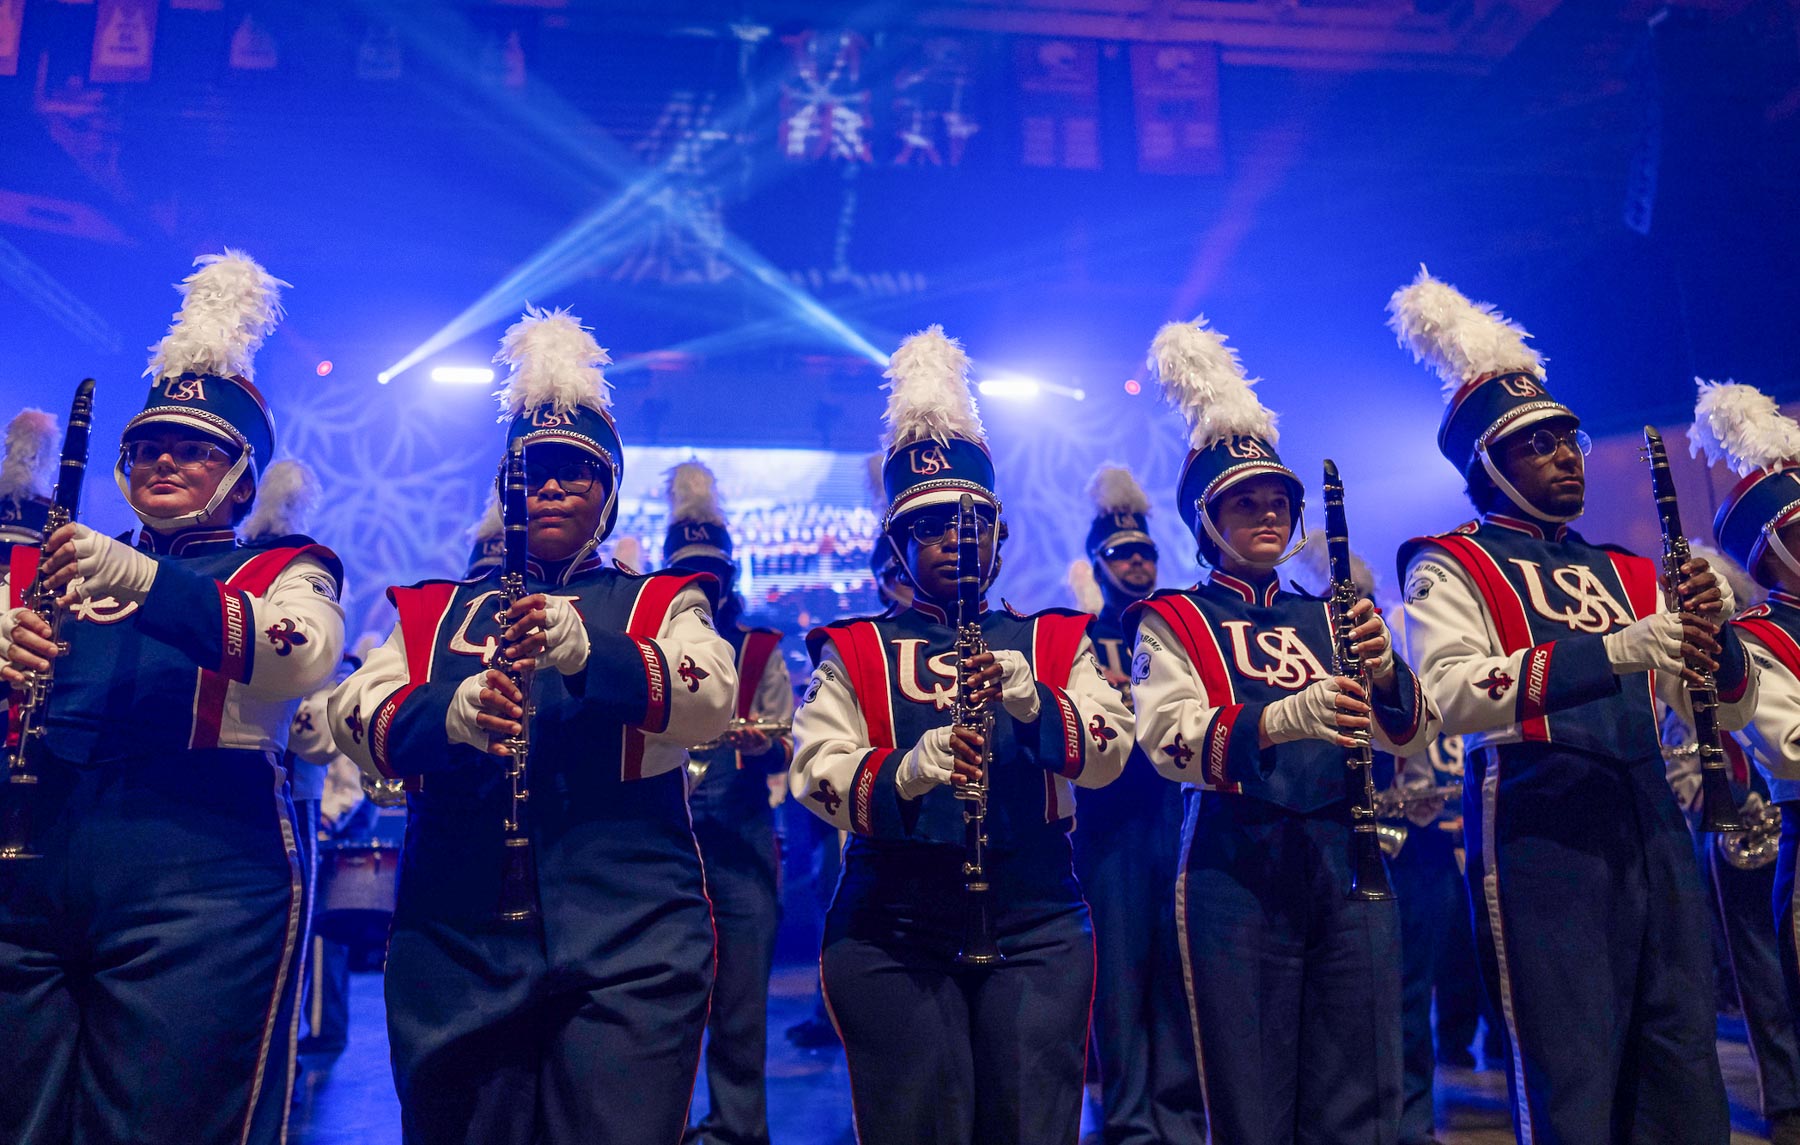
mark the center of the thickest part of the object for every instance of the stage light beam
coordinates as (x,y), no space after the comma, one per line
(462,375)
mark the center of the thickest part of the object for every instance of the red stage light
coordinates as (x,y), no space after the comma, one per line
(1132,387)
(324,367)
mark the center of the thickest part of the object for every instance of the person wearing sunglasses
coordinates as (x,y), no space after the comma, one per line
(582,1022)
(1126,853)
(939,1050)
(1293,985)
(149,959)
(1548,653)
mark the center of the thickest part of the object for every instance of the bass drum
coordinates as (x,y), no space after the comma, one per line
(357,886)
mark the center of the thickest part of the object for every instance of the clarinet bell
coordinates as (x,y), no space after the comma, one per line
(1368,874)
(1719,813)
(16,819)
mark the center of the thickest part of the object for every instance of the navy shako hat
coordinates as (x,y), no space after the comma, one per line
(26,476)
(1121,511)
(1493,382)
(1232,435)
(697,528)
(936,447)
(204,371)
(556,393)
(1743,427)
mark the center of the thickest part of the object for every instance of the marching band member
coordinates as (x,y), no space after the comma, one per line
(1127,850)
(1758,526)
(1293,988)
(1540,648)
(26,475)
(734,824)
(149,960)
(939,1050)
(584,1022)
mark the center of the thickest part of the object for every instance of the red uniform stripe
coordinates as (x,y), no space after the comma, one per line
(1508,613)
(647,615)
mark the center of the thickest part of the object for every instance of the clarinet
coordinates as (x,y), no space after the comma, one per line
(1720,811)
(979,947)
(1368,874)
(25,743)
(518,874)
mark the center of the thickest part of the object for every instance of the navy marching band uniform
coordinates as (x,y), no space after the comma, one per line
(939,1051)
(1589,914)
(1127,850)
(1293,989)
(149,959)
(585,1025)
(735,827)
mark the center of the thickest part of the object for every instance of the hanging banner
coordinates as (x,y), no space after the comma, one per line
(124,40)
(12,18)
(1059,105)
(826,112)
(1175,94)
(933,120)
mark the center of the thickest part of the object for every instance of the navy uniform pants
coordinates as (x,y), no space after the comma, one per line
(1127,851)
(1590,921)
(583,1027)
(1294,989)
(741,859)
(1786,919)
(149,959)
(946,1054)
(1428,888)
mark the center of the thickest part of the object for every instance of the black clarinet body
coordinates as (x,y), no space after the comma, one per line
(518,883)
(979,947)
(1368,873)
(25,743)
(1719,812)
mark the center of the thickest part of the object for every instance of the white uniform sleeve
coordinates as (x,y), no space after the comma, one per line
(830,743)
(354,702)
(1106,726)
(1773,734)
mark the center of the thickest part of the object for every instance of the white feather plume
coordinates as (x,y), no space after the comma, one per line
(928,391)
(32,454)
(628,553)
(1460,340)
(1202,377)
(1085,587)
(552,360)
(489,525)
(1114,490)
(285,498)
(1310,567)
(1742,426)
(228,307)
(1744,588)
(693,494)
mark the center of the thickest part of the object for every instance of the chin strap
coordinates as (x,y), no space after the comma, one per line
(174,524)
(1119,586)
(1212,531)
(1781,551)
(1513,495)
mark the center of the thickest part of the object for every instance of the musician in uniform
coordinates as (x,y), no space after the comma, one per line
(939,1050)
(1127,849)
(584,1022)
(733,822)
(1539,647)
(26,475)
(1293,987)
(1758,527)
(149,959)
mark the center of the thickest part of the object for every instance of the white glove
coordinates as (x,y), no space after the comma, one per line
(1652,644)
(1308,714)
(8,619)
(465,705)
(929,764)
(1385,665)
(1018,685)
(565,636)
(1728,600)
(108,568)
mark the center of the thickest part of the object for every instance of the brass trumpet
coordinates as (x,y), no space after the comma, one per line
(768,726)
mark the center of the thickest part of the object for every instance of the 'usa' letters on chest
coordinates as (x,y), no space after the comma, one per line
(1279,658)
(1585,603)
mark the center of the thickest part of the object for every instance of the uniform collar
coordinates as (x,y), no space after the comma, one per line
(1520,525)
(187,542)
(1783,596)
(562,573)
(935,614)
(1244,590)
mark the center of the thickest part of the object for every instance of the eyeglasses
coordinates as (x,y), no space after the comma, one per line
(1128,550)
(189,456)
(573,477)
(1544,443)
(931,528)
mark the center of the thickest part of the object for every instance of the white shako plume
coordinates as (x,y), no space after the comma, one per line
(284,501)
(928,392)
(552,360)
(1458,339)
(228,307)
(1202,378)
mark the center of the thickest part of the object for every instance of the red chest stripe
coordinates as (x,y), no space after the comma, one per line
(421,610)
(753,661)
(647,615)
(1190,627)
(1510,623)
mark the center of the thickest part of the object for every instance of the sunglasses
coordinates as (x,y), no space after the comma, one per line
(573,477)
(188,456)
(931,528)
(1126,551)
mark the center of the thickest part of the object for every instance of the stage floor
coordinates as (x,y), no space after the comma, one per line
(349,1100)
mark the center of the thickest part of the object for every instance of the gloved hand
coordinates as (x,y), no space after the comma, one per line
(8,619)
(104,566)
(480,707)
(1018,685)
(929,764)
(548,629)
(1312,713)
(1652,644)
